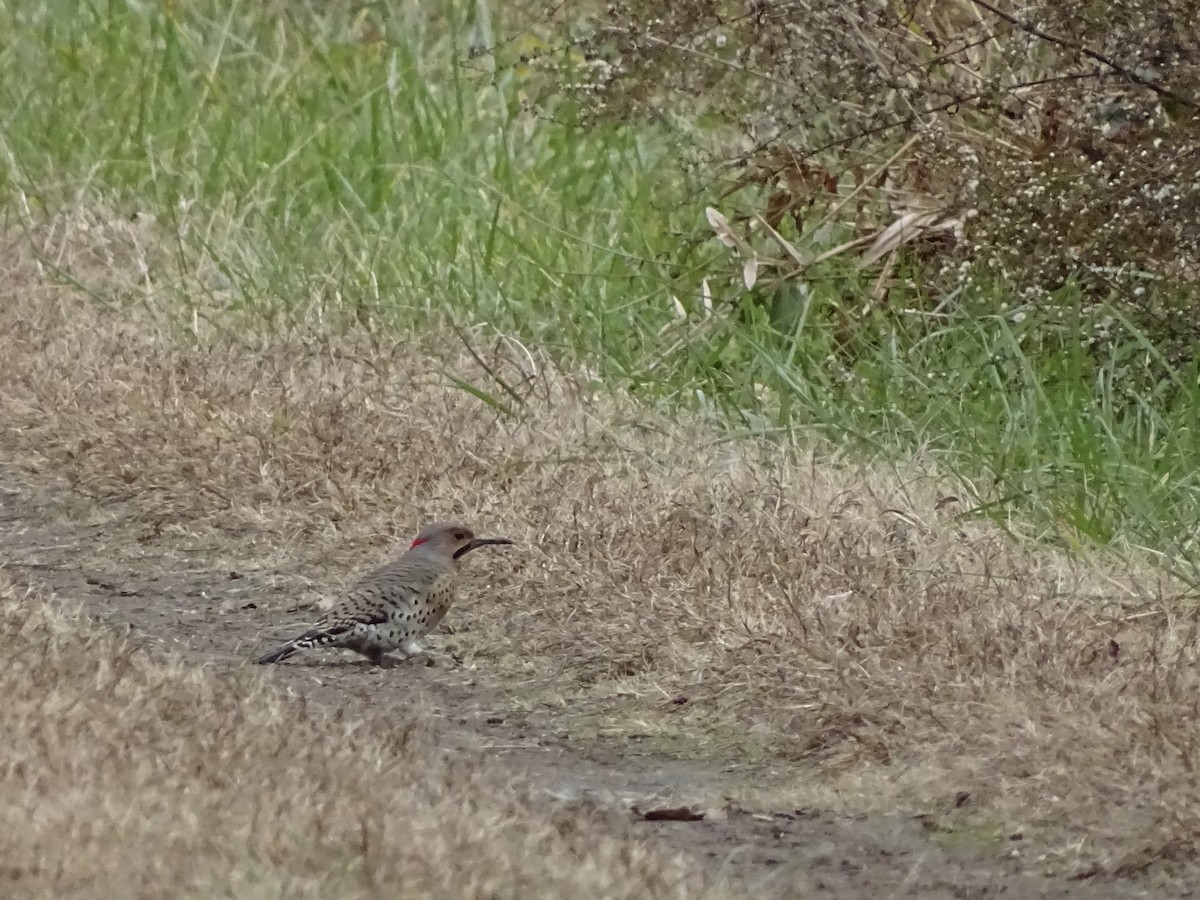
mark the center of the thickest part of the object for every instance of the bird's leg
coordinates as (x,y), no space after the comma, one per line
(374,655)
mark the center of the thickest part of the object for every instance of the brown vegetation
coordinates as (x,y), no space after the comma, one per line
(842,626)
(941,145)
(126,776)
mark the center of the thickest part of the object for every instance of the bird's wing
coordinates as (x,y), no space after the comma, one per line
(402,579)
(359,607)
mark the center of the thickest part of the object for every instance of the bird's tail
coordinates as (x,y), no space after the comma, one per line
(276,655)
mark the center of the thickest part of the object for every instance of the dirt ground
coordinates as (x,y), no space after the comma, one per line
(162,591)
(795,677)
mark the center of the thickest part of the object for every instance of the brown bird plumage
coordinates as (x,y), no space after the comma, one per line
(396,605)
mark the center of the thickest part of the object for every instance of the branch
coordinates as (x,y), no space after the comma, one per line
(1121,70)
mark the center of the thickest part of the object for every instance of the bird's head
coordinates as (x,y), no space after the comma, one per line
(451,540)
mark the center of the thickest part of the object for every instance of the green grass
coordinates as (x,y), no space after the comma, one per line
(308,162)
(313,168)
(1088,448)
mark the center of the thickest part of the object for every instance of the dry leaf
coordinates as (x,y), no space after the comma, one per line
(750,272)
(720,227)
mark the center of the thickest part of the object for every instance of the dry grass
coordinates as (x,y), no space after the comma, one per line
(130,777)
(810,612)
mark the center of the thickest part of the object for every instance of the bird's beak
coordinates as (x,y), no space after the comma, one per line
(480,542)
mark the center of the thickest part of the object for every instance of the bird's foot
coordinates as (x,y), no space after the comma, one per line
(430,660)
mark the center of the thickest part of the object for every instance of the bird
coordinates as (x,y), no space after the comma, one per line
(394,606)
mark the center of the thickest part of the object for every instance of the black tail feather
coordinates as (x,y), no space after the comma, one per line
(276,655)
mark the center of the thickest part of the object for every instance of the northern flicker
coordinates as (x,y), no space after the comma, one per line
(396,605)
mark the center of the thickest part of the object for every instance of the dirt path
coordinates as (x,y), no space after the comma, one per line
(162,586)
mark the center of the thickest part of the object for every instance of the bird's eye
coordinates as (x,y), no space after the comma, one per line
(460,535)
